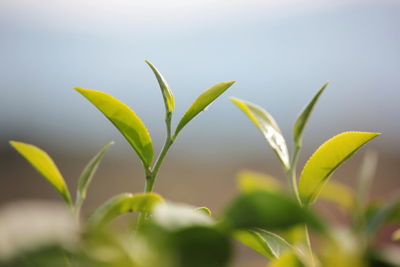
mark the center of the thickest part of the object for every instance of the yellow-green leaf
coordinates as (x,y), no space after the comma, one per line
(396,235)
(42,162)
(125,120)
(249,181)
(165,90)
(301,121)
(288,259)
(339,194)
(202,102)
(206,210)
(266,243)
(326,159)
(88,173)
(268,127)
(121,204)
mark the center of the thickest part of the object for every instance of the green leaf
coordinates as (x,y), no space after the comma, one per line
(339,194)
(396,235)
(301,121)
(249,181)
(125,120)
(389,212)
(42,162)
(268,127)
(88,173)
(121,204)
(165,90)
(326,159)
(264,242)
(288,259)
(200,246)
(202,102)
(270,211)
(205,210)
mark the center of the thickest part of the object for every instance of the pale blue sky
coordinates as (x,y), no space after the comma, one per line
(279,52)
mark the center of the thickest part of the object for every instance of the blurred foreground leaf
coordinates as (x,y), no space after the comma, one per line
(264,242)
(121,204)
(270,211)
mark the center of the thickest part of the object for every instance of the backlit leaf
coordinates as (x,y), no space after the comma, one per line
(249,181)
(88,173)
(125,120)
(165,90)
(326,159)
(202,102)
(268,244)
(301,121)
(206,210)
(339,194)
(42,162)
(121,204)
(268,127)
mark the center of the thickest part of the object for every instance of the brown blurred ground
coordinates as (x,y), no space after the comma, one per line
(200,182)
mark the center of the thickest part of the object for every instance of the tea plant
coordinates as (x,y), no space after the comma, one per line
(263,216)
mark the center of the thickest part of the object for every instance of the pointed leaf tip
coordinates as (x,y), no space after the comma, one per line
(326,159)
(202,102)
(268,127)
(169,99)
(302,120)
(125,120)
(45,165)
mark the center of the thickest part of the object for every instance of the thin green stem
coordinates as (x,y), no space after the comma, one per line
(292,177)
(151,173)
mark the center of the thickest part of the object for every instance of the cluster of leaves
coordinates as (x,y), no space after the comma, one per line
(264,216)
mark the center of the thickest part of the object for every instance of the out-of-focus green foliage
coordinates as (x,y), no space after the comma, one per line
(263,216)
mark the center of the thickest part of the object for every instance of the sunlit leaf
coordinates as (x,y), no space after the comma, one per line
(125,120)
(249,181)
(270,211)
(88,173)
(326,159)
(268,127)
(365,178)
(396,235)
(179,215)
(42,162)
(202,102)
(288,259)
(268,244)
(165,90)
(121,204)
(206,210)
(301,121)
(339,194)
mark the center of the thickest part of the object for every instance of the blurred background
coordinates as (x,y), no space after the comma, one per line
(279,52)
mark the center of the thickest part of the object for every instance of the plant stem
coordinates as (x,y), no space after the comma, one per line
(151,173)
(292,177)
